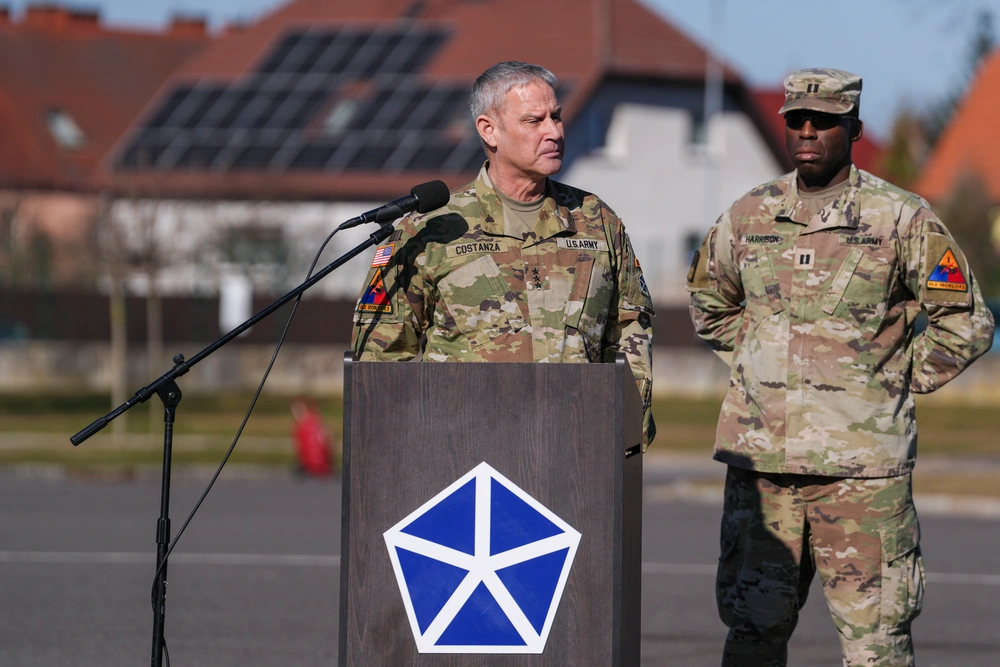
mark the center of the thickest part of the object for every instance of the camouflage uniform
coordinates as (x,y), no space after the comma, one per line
(571,291)
(778,530)
(819,313)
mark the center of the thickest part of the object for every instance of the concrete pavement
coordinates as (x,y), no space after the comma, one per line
(255,578)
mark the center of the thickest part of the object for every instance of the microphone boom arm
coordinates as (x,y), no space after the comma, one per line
(181,366)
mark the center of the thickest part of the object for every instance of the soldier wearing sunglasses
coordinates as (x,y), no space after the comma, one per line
(811,285)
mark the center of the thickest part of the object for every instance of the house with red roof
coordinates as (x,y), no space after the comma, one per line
(971,141)
(963,160)
(244,150)
(70,88)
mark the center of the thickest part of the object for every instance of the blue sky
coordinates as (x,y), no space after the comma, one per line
(910,52)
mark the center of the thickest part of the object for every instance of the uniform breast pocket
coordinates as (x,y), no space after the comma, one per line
(588,305)
(479,302)
(860,290)
(753,284)
(761,287)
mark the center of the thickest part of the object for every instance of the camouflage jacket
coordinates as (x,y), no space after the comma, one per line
(572,291)
(819,314)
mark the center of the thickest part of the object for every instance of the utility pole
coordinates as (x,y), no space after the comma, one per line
(714,87)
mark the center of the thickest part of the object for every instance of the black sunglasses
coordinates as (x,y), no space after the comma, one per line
(795,120)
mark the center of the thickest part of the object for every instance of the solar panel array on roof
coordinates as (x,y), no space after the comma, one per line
(319,100)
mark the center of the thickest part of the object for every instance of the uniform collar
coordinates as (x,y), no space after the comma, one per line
(553,217)
(846,209)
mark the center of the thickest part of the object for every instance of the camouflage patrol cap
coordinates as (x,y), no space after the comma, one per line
(821,89)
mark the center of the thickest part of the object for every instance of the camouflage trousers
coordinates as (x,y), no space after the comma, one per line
(861,535)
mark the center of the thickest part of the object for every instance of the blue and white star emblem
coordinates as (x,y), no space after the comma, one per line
(481,567)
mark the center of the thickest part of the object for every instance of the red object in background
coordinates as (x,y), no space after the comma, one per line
(312,442)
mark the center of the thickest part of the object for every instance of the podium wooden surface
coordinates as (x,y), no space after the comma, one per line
(567,434)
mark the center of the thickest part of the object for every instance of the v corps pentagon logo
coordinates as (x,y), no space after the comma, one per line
(481,567)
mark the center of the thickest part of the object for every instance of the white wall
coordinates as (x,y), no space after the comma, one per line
(665,188)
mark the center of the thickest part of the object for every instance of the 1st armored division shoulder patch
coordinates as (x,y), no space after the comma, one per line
(947,274)
(375,299)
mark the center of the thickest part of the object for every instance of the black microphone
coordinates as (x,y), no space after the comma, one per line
(422,198)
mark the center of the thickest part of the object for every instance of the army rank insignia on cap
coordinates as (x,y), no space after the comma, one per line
(375,298)
(947,274)
(382,255)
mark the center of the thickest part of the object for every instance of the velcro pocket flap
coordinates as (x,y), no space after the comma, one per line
(900,535)
(772,288)
(840,283)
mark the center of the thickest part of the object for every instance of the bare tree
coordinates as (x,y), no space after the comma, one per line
(112,254)
(969,214)
(21,249)
(8,215)
(906,150)
(981,42)
(146,246)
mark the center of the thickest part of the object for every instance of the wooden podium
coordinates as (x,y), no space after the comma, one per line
(566,435)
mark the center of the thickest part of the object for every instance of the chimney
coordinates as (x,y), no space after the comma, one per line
(188,25)
(57,18)
(4,15)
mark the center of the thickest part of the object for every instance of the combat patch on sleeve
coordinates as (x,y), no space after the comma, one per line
(946,273)
(375,299)
(699,276)
(635,293)
(642,279)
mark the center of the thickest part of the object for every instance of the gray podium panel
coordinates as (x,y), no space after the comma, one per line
(561,445)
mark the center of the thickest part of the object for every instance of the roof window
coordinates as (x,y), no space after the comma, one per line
(64,129)
(339,119)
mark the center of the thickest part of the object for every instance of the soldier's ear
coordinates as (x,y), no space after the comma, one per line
(486,127)
(859,129)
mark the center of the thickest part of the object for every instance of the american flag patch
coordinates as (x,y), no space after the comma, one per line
(382,255)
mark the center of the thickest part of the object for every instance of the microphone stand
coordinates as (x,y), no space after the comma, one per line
(170,394)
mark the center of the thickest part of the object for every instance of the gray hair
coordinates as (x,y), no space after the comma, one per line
(489,94)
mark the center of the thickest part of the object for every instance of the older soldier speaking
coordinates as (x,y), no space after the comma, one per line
(517,267)
(813,282)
